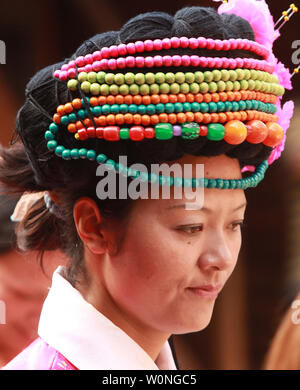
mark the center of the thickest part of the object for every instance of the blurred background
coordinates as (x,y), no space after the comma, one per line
(267,277)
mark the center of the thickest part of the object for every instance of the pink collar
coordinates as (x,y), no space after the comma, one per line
(87,338)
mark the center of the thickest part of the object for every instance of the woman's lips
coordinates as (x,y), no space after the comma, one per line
(207,291)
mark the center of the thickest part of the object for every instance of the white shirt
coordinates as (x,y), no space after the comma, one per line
(88,339)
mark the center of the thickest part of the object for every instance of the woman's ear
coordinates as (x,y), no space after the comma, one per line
(89,225)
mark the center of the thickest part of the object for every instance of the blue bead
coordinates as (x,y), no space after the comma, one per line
(195,107)
(186,107)
(212,107)
(101,158)
(74,153)
(153,178)
(49,135)
(123,108)
(160,108)
(220,183)
(66,154)
(187,182)
(221,106)
(106,109)
(178,182)
(242,105)
(248,104)
(91,154)
(64,120)
(162,180)
(211,183)
(228,106)
(110,164)
(59,149)
(132,108)
(82,152)
(225,184)
(53,127)
(142,109)
(204,107)
(169,107)
(235,106)
(232,184)
(195,182)
(151,109)
(72,117)
(178,107)
(51,145)
(81,113)
(97,110)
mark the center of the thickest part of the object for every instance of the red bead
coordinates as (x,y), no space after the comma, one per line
(257,131)
(82,134)
(99,132)
(203,131)
(91,132)
(275,135)
(111,133)
(136,133)
(149,132)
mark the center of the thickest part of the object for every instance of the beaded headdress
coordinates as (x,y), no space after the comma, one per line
(237,100)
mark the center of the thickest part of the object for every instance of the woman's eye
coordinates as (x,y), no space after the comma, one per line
(191,229)
(236,225)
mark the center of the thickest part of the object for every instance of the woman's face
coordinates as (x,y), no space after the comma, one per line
(168,251)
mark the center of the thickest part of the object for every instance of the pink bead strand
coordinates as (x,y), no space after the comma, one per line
(166,43)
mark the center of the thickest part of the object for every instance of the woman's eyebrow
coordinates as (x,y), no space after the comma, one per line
(204,209)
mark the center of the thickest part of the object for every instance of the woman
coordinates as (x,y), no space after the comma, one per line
(140,269)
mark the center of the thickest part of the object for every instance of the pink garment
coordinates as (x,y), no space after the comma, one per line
(39,356)
(74,335)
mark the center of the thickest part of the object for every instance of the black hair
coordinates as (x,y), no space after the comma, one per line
(30,166)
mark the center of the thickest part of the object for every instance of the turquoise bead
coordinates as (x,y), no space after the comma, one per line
(160,108)
(142,109)
(178,182)
(211,183)
(74,153)
(66,154)
(97,111)
(49,135)
(59,149)
(82,152)
(163,131)
(195,182)
(162,180)
(101,158)
(51,145)
(216,132)
(81,113)
(151,109)
(220,183)
(212,107)
(106,109)
(123,108)
(221,106)
(115,109)
(53,127)
(169,107)
(187,182)
(132,108)
(153,178)
(187,106)
(235,106)
(110,164)
(228,106)
(178,107)
(195,107)
(91,155)
(64,120)
(204,107)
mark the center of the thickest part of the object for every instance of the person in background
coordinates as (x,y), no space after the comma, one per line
(23,285)
(284,351)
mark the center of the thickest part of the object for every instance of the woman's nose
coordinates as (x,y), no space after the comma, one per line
(216,254)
